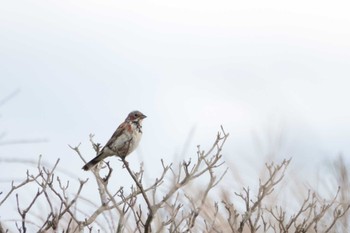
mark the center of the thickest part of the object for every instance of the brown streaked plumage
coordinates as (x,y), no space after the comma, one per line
(123,141)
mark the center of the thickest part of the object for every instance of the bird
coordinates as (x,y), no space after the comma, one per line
(124,140)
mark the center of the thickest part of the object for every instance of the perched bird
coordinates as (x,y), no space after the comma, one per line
(124,140)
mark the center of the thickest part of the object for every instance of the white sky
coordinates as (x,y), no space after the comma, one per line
(257,67)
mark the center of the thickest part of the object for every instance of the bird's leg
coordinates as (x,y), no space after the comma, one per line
(125,163)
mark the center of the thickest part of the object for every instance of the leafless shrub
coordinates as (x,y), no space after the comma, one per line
(179,200)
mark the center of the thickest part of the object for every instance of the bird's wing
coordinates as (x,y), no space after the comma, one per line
(116,134)
(118,139)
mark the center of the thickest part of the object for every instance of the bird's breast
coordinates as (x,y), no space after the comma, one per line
(127,142)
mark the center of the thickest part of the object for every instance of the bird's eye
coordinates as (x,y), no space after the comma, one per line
(136,115)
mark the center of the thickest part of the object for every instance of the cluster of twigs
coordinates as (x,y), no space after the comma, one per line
(314,215)
(174,202)
(50,189)
(129,208)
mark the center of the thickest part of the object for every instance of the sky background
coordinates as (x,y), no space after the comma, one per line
(274,74)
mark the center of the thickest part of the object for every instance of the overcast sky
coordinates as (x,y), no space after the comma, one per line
(264,70)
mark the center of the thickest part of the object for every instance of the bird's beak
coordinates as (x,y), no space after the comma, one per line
(143,116)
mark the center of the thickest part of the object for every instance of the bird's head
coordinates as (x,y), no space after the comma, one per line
(135,116)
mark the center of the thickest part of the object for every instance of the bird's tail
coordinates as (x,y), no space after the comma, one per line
(93,162)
